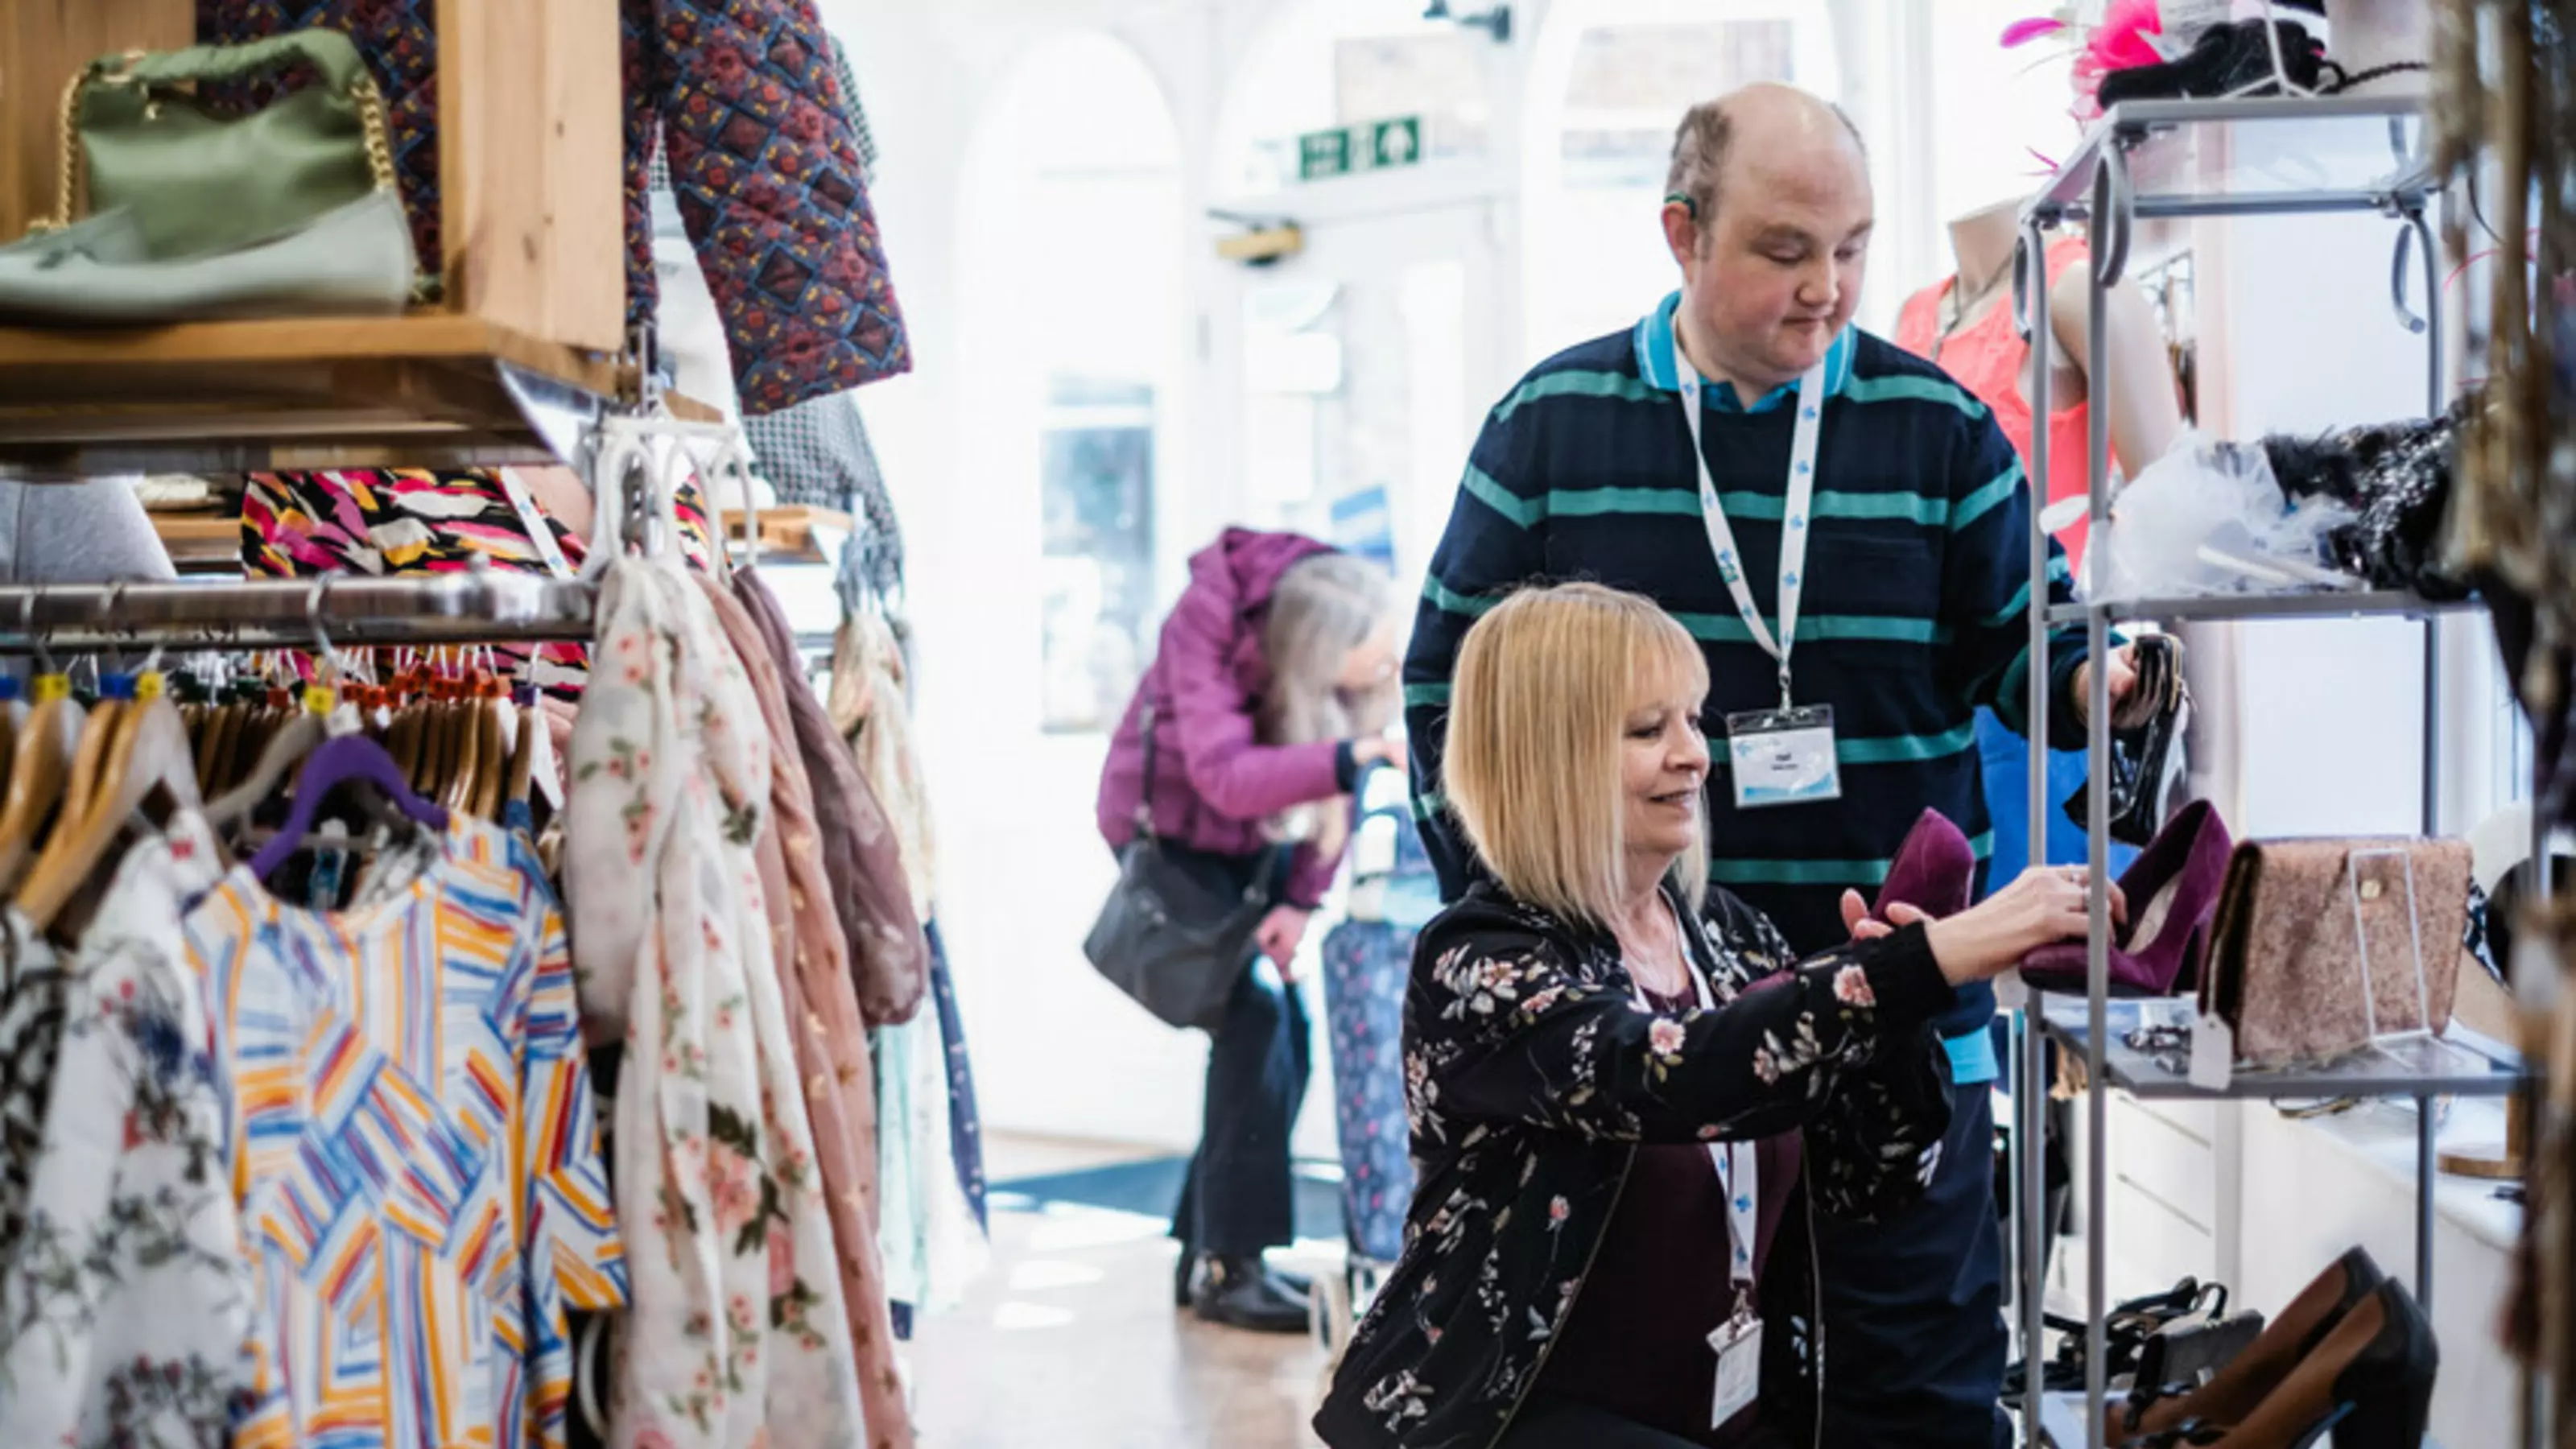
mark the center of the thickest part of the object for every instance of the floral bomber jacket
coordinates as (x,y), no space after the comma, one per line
(1532,1075)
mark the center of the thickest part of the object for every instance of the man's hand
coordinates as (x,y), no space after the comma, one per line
(2124,687)
(1856,918)
(1281,933)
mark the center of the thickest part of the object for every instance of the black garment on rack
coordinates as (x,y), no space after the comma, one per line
(2397,476)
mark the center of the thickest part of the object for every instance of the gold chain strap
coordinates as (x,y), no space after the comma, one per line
(67,178)
(371,116)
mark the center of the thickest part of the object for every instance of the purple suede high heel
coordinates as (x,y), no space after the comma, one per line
(2172,890)
(1934,870)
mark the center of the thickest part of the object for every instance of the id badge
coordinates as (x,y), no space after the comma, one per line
(1783,757)
(1739,1369)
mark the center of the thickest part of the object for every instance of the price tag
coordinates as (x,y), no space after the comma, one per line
(2213,1053)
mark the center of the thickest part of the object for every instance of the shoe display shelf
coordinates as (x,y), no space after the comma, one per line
(522,350)
(2178,160)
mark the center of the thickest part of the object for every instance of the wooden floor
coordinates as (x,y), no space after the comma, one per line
(1071,1341)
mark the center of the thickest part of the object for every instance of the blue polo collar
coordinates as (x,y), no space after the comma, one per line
(1654,339)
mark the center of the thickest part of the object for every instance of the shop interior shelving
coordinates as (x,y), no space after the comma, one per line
(2177,160)
(521,350)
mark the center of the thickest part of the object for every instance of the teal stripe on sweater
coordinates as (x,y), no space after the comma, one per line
(1441,598)
(1767,507)
(1730,629)
(1819,872)
(1985,500)
(1907,749)
(1577,383)
(1425,694)
(1481,486)
(1904,388)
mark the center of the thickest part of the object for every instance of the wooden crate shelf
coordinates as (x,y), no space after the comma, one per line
(417,391)
(530,186)
(794,533)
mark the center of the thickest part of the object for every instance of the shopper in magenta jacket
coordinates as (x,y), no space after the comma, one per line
(1270,689)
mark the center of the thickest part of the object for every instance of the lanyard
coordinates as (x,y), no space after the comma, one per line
(1793,527)
(1738,1170)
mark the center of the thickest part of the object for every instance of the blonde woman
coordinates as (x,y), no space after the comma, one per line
(1616,1085)
(1268,696)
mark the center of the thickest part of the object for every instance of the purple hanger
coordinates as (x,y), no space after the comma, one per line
(338,762)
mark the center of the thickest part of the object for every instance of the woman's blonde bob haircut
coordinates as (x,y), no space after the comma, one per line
(1537,718)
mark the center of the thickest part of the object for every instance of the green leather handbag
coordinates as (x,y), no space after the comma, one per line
(137,137)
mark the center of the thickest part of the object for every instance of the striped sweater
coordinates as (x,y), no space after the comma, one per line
(1915,609)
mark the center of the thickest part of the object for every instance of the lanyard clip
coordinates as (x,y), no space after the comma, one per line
(1786,701)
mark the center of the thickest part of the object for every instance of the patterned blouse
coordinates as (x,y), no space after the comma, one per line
(128,1314)
(1531,1077)
(412,1145)
(740,1334)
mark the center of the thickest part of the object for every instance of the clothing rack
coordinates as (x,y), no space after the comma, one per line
(468,608)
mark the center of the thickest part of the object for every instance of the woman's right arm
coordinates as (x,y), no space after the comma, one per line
(1510,1024)
(1233,773)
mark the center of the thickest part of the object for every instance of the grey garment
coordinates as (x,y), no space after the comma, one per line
(817,454)
(92,532)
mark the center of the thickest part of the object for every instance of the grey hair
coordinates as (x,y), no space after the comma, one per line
(1700,145)
(1323,607)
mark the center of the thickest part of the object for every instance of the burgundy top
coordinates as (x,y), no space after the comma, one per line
(1636,1344)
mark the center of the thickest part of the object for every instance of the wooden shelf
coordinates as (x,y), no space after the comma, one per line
(788,533)
(201,543)
(418,391)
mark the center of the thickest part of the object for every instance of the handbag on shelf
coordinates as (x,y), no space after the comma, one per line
(1163,936)
(170,208)
(2321,947)
(2147,765)
(138,138)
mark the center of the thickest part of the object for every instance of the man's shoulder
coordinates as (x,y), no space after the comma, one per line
(1886,374)
(1609,352)
(1601,370)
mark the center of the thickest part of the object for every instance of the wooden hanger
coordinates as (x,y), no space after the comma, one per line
(284,749)
(523,754)
(40,774)
(150,759)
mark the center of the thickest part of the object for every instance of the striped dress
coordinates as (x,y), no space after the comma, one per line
(412,1143)
(1915,606)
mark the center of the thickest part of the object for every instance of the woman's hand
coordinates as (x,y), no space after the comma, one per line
(1386,750)
(1281,933)
(1899,915)
(2046,905)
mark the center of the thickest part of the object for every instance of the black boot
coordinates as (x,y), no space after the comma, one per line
(1240,1293)
(1185,1275)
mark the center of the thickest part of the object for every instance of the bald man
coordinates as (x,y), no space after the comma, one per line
(1743,444)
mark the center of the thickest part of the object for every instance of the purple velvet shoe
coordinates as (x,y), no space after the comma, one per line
(2172,889)
(1934,870)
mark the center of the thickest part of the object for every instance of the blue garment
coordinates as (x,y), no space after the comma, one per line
(2006,760)
(1913,1306)
(1915,596)
(1367,965)
(965,1124)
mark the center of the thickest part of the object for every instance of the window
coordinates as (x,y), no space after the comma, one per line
(1611,80)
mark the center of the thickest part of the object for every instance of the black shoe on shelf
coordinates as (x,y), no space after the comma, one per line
(1239,1292)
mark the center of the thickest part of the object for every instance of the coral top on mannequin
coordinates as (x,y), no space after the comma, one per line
(1965,324)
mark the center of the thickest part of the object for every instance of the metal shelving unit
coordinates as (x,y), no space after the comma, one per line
(2178,160)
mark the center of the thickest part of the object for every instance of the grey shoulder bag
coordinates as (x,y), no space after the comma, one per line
(1163,937)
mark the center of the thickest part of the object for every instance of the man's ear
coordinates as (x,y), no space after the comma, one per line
(1681,229)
